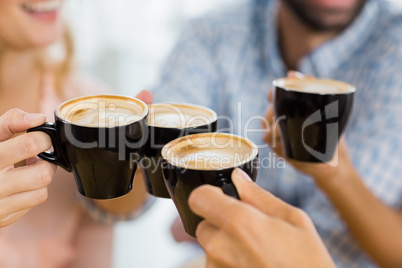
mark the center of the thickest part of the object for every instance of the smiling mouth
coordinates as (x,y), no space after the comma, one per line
(42,7)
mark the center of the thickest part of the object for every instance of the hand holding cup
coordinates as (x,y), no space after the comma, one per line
(22,188)
(240,233)
(330,150)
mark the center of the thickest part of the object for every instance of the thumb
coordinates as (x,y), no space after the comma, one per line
(257,197)
(15,121)
(146,96)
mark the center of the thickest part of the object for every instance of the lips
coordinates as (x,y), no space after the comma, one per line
(42,7)
(44,11)
(338,4)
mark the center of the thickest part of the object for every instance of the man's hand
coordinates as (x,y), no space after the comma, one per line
(321,172)
(258,231)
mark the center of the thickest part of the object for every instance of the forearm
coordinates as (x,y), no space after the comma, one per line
(376,227)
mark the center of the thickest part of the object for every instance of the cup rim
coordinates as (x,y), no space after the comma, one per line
(86,97)
(168,146)
(213,118)
(279,83)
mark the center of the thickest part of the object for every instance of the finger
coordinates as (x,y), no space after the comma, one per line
(205,232)
(269,118)
(22,201)
(178,233)
(273,137)
(264,201)
(32,160)
(270,96)
(213,240)
(145,96)
(222,211)
(209,202)
(209,194)
(270,115)
(15,121)
(23,147)
(13,217)
(295,74)
(27,178)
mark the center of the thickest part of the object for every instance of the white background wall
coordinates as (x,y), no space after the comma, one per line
(125,41)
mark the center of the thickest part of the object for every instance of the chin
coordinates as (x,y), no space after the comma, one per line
(44,39)
(326,18)
(38,44)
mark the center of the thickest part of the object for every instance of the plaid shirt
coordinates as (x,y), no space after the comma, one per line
(227,61)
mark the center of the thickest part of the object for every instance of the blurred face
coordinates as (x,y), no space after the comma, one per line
(28,24)
(323,15)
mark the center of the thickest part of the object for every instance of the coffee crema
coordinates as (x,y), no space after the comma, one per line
(209,151)
(314,85)
(179,115)
(102,111)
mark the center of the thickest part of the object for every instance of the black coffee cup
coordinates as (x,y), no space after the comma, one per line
(167,122)
(209,158)
(312,115)
(99,139)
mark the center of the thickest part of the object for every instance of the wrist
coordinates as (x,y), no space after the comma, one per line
(336,177)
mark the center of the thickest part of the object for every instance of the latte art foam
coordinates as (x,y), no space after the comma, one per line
(211,159)
(102,111)
(179,116)
(102,118)
(171,120)
(210,151)
(314,85)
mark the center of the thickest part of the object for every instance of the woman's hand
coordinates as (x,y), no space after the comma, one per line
(258,231)
(22,188)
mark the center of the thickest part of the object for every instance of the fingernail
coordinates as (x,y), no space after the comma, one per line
(239,172)
(34,117)
(295,74)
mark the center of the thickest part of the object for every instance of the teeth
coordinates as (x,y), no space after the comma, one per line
(46,6)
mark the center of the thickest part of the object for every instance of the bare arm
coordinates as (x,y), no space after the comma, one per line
(376,227)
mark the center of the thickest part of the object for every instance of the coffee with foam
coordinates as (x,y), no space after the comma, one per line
(179,116)
(102,111)
(315,85)
(209,151)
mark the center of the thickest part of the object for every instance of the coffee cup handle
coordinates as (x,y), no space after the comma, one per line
(228,187)
(55,157)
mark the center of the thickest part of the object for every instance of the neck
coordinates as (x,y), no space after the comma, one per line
(15,65)
(297,39)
